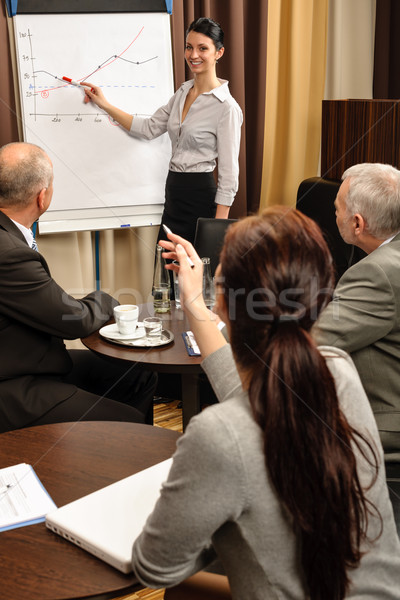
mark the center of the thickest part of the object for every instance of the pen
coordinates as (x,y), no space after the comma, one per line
(188,342)
(167,230)
(193,343)
(5,488)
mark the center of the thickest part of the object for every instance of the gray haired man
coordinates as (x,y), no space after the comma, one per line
(364,316)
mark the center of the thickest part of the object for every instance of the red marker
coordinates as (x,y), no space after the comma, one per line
(71,81)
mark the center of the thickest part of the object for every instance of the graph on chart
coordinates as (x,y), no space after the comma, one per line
(129,58)
(47,92)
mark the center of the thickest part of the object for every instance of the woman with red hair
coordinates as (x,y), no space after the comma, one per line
(283,481)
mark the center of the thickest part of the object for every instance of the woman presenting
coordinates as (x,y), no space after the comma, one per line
(203,122)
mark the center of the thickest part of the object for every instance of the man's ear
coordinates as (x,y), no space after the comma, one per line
(40,200)
(360,224)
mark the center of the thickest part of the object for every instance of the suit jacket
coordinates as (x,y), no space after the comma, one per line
(364,319)
(35,315)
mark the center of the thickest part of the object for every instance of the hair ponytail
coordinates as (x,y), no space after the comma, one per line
(310,459)
(309,446)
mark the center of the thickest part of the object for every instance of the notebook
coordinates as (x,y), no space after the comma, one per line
(107,522)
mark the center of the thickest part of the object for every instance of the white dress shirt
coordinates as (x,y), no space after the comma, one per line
(211,130)
(27,233)
(389,239)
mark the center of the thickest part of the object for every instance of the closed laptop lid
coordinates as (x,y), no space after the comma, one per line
(107,522)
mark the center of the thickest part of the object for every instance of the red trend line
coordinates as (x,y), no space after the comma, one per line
(106,65)
(118,55)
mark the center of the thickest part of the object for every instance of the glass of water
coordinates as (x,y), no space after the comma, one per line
(176,286)
(153,328)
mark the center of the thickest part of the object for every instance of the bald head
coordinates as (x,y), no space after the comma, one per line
(25,170)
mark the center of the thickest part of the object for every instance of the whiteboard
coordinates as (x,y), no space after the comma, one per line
(103,177)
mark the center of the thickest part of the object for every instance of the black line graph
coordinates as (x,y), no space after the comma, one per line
(42,90)
(105,63)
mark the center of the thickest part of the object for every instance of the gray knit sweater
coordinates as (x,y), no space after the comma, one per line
(218,501)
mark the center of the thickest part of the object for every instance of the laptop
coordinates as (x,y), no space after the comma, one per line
(107,522)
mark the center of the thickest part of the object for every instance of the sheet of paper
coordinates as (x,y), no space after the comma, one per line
(23,499)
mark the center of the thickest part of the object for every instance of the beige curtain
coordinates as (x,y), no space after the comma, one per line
(296,59)
(350,54)
(126,262)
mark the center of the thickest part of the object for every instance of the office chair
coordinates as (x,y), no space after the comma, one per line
(315,198)
(209,238)
(393,482)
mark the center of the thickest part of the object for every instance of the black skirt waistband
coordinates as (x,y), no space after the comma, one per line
(192,180)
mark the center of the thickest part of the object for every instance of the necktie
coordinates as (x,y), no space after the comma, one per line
(34,245)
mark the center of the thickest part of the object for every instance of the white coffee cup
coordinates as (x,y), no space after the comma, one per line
(126,317)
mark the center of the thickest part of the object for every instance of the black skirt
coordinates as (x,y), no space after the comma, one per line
(188,196)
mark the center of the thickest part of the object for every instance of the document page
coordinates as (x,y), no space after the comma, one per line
(23,499)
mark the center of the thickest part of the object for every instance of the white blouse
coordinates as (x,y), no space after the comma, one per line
(210,130)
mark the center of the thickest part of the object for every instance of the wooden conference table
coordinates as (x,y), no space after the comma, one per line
(72,460)
(172,358)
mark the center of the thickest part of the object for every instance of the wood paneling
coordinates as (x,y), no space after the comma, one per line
(356,131)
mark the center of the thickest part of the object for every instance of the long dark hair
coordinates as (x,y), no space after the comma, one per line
(278,275)
(210,28)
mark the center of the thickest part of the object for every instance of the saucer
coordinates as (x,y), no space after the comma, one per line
(111,332)
(144,342)
(141,341)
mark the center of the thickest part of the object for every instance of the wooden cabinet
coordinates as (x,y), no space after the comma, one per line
(356,131)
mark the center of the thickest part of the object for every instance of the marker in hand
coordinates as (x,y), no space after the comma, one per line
(167,230)
(71,81)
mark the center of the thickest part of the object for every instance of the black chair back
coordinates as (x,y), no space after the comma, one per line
(393,482)
(209,238)
(315,198)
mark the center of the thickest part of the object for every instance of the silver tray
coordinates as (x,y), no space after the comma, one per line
(143,342)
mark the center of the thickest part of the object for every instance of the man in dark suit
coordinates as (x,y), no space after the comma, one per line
(364,316)
(40,380)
